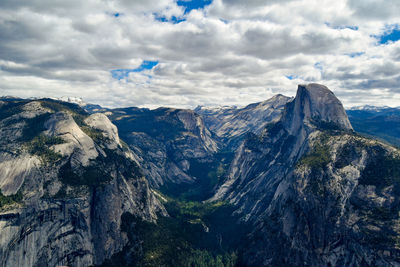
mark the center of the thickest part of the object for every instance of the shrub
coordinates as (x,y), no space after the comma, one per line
(7,200)
(381,170)
(40,146)
(317,158)
(90,176)
(180,240)
(34,127)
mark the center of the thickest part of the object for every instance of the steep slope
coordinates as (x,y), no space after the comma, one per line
(377,122)
(316,193)
(170,143)
(65,182)
(232,124)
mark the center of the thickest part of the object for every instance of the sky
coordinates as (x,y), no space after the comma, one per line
(152,53)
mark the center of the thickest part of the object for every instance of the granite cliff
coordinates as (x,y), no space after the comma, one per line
(316,193)
(288,182)
(65,182)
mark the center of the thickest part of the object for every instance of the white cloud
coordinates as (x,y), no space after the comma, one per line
(231,52)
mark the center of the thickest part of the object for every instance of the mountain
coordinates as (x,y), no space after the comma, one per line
(315,192)
(66,181)
(231,124)
(377,122)
(284,182)
(173,146)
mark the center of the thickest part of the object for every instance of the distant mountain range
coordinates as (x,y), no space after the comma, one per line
(284,182)
(378,122)
(232,122)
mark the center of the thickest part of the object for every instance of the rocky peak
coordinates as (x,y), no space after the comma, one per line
(314,103)
(232,124)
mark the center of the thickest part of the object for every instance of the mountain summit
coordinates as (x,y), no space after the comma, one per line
(315,103)
(288,183)
(316,193)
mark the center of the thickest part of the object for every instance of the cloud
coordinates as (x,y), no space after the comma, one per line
(186,53)
(375,9)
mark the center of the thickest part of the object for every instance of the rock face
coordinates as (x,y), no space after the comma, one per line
(316,193)
(166,141)
(314,103)
(65,182)
(231,124)
(310,190)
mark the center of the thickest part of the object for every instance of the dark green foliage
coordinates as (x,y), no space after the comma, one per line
(274,128)
(382,169)
(91,175)
(58,106)
(7,200)
(79,119)
(208,175)
(34,127)
(317,158)
(328,126)
(252,142)
(93,133)
(61,194)
(128,167)
(325,125)
(99,170)
(10,108)
(40,146)
(384,233)
(181,239)
(347,153)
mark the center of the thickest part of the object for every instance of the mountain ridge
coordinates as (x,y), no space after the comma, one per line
(301,183)
(290,183)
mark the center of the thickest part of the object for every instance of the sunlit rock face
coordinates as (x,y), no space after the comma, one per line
(310,190)
(314,103)
(313,189)
(65,181)
(231,124)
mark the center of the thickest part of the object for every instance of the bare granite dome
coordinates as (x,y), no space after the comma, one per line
(315,103)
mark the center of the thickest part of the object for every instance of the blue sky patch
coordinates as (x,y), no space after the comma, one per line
(341,27)
(391,35)
(292,76)
(355,54)
(318,66)
(124,73)
(189,5)
(173,19)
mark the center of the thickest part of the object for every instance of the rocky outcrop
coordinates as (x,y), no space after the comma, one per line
(76,142)
(280,145)
(231,124)
(65,182)
(101,122)
(166,141)
(313,189)
(313,192)
(314,104)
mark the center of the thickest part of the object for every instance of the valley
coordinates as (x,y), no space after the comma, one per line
(283,182)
